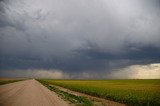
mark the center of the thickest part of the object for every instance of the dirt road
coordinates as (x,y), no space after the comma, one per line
(28,93)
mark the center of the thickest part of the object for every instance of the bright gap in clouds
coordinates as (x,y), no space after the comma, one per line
(150,71)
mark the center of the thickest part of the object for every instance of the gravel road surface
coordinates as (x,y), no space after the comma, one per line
(28,93)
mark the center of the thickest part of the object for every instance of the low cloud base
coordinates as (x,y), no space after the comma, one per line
(149,71)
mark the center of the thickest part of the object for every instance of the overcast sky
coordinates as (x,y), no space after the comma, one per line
(79,38)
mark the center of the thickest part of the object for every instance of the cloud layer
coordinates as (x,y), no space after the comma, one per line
(150,71)
(78,36)
(53,74)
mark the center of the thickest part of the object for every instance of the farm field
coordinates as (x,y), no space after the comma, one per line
(131,92)
(9,80)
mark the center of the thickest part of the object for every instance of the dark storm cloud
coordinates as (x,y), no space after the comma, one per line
(78,36)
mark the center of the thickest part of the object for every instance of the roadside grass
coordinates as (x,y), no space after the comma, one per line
(3,81)
(130,92)
(77,100)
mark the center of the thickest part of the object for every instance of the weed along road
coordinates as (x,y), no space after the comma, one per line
(28,93)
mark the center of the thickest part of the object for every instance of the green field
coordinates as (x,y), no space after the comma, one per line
(131,92)
(76,100)
(8,80)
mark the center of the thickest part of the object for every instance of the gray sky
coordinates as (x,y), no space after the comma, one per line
(77,37)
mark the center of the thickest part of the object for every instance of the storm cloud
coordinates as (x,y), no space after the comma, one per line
(78,37)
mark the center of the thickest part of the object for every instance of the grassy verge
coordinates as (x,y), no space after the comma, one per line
(131,92)
(77,100)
